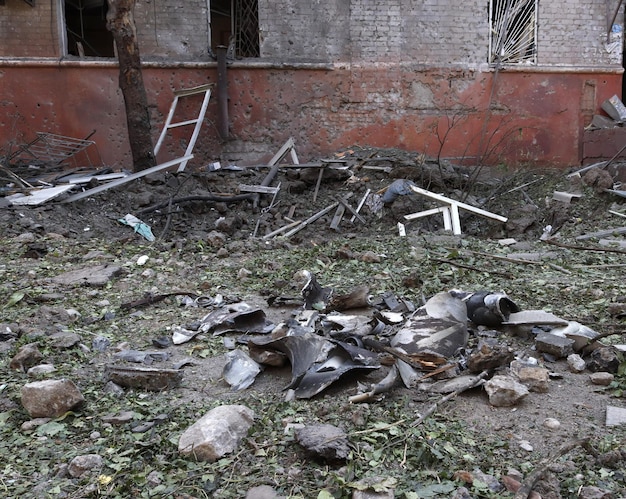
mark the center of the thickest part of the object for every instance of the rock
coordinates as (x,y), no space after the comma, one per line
(100,343)
(534,377)
(504,391)
(371,257)
(491,481)
(599,179)
(371,494)
(64,339)
(97,276)
(526,445)
(50,398)
(216,239)
(594,493)
(8,331)
(488,355)
(34,423)
(228,225)
(462,493)
(552,424)
(217,433)
(605,359)
(84,463)
(113,389)
(576,363)
(602,379)
(325,441)
(26,357)
(554,344)
(512,483)
(25,237)
(119,418)
(146,378)
(262,492)
(41,369)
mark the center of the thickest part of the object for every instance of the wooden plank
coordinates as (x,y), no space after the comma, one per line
(347,205)
(334,224)
(425,213)
(121,181)
(458,204)
(312,219)
(317,185)
(282,229)
(361,203)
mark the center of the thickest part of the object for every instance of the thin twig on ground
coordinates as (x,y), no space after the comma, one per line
(479,381)
(584,248)
(506,275)
(528,484)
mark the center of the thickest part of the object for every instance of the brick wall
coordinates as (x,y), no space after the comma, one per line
(27,31)
(170,29)
(314,30)
(431,32)
(573,33)
(397,73)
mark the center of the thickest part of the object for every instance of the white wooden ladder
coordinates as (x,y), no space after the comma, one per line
(197,122)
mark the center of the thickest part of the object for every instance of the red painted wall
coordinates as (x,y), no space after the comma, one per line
(510,116)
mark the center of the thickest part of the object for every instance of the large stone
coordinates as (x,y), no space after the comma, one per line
(556,345)
(601,378)
(488,355)
(504,391)
(97,276)
(217,433)
(81,464)
(325,441)
(50,398)
(26,357)
(607,359)
(536,378)
(576,363)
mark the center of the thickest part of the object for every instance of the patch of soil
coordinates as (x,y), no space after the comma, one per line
(201,224)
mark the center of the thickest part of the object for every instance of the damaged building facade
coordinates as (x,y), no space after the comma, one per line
(488,81)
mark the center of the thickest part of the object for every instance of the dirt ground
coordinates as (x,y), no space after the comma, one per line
(209,241)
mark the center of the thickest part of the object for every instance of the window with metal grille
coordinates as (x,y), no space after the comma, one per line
(235,24)
(513,28)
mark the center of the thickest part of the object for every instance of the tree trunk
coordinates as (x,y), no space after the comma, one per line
(121,23)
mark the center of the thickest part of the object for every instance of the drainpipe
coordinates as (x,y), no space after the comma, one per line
(222,93)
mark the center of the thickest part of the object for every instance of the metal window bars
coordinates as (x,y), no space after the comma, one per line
(513,37)
(246,23)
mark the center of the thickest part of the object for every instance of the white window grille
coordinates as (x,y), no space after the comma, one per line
(513,31)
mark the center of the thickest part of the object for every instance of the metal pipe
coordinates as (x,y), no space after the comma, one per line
(222,93)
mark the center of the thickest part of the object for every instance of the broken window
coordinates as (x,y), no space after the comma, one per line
(235,24)
(513,31)
(85,24)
